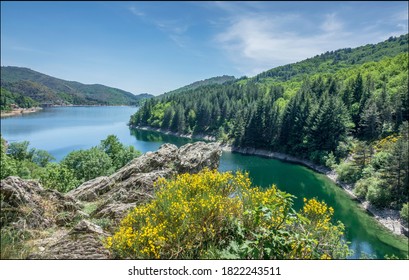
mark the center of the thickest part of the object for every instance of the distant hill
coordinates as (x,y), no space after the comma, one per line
(46,89)
(211,81)
(332,61)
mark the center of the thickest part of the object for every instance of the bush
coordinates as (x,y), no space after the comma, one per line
(119,153)
(58,177)
(404,214)
(381,159)
(377,194)
(330,161)
(348,172)
(88,164)
(219,215)
(361,188)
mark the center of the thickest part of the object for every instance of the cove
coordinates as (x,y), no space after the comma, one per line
(61,130)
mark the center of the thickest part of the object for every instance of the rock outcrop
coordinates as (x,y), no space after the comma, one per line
(25,204)
(84,241)
(29,205)
(133,184)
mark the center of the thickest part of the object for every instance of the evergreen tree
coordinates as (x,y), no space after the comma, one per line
(167,117)
(396,172)
(370,123)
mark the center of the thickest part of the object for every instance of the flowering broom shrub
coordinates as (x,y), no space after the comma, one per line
(220,215)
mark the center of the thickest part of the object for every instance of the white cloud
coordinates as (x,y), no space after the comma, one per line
(256,42)
(136,12)
(331,23)
(174,29)
(260,43)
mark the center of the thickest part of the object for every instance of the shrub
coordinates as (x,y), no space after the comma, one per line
(221,215)
(348,172)
(377,193)
(330,160)
(88,164)
(362,186)
(404,214)
(58,177)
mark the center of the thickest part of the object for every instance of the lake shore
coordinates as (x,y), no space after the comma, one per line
(389,218)
(19,111)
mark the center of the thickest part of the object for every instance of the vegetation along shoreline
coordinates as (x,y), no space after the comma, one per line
(19,111)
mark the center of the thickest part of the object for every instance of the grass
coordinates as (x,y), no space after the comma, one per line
(13,244)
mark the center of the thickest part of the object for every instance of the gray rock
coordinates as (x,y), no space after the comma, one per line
(27,205)
(84,241)
(194,157)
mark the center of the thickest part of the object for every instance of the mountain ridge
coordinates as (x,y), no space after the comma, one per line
(209,81)
(44,88)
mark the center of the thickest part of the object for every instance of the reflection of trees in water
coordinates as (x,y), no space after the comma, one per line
(154,136)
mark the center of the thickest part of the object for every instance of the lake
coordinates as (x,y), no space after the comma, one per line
(61,130)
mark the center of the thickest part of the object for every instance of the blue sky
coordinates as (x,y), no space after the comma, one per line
(156,47)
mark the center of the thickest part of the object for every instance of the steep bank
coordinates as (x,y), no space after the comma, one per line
(389,218)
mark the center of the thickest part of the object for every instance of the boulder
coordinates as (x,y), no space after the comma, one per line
(26,204)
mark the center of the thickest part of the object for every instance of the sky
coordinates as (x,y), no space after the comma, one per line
(155,47)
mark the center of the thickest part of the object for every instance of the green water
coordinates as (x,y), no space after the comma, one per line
(61,130)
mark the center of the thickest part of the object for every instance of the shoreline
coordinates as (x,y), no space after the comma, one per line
(20,111)
(388,218)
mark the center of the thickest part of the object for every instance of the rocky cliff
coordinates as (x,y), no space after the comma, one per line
(73,225)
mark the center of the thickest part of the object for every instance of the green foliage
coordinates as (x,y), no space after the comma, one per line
(13,246)
(58,177)
(404,214)
(333,61)
(7,164)
(348,172)
(88,164)
(17,160)
(221,215)
(377,192)
(19,150)
(75,168)
(212,81)
(118,153)
(330,160)
(7,99)
(40,157)
(90,207)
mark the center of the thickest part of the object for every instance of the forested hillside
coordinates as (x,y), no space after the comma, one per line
(323,109)
(46,89)
(211,81)
(7,99)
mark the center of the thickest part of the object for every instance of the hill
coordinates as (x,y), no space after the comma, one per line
(211,81)
(46,89)
(333,61)
(346,109)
